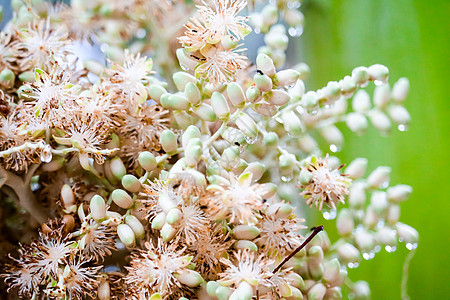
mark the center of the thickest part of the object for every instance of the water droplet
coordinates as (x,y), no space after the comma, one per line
(403,127)
(313,112)
(384,184)
(411,246)
(257,30)
(378,82)
(380,224)
(377,248)
(329,214)
(286,178)
(335,148)
(295,31)
(140,33)
(390,249)
(353,265)
(293,4)
(184,67)
(250,140)
(104,47)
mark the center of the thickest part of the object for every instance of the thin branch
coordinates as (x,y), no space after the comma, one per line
(285,260)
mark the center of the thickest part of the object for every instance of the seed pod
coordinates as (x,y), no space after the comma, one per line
(126,235)
(97,207)
(147,161)
(136,226)
(121,198)
(131,183)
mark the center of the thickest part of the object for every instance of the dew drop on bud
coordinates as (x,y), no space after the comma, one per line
(403,127)
(335,148)
(411,246)
(250,140)
(329,214)
(390,249)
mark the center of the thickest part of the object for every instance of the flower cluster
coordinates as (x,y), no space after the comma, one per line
(141,170)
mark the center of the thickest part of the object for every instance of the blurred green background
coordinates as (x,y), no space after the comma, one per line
(412,39)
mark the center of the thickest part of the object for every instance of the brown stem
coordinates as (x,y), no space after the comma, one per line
(285,260)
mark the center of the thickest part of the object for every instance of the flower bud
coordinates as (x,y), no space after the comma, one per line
(348,254)
(317,292)
(118,168)
(357,196)
(228,42)
(361,102)
(147,161)
(378,73)
(126,235)
(277,97)
(190,133)
(104,291)
(230,157)
(246,124)
(243,292)
(332,91)
(67,196)
(393,214)
(270,139)
(186,63)
(315,254)
(348,86)
(407,234)
(333,293)
(381,96)
(173,216)
(165,202)
(379,202)
(192,154)
(257,169)
(364,240)
(159,221)
(400,90)
(253,94)
(168,141)
(236,94)
(245,244)
(176,101)
(360,75)
(211,288)
(220,106)
(379,177)
(399,193)
(305,176)
(357,122)
(192,93)
(307,144)
(155,92)
(189,277)
(399,114)
(121,198)
(269,15)
(135,225)
(27,76)
(333,135)
(361,290)
(265,64)
(167,232)
(263,82)
(287,77)
(131,183)
(276,41)
(7,77)
(331,271)
(371,218)
(344,222)
(222,293)
(310,100)
(181,79)
(97,207)
(113,218)
(387,236)
(292,123)
(233,136)
(356,168)
(245,232)
(205,112)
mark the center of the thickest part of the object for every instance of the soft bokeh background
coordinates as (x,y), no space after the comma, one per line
(412,39)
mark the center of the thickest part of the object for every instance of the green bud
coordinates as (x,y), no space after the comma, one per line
(27,76)
(165,202)
(118,168)
(399,193)
(220,106)
(265,64)
(236,94)
(131,183)
(270,139)
(246,124)
(253,94)
(310,100)
(211,288)
(126,235)
(168,141)
(7,77)
(181,79)
(193,154)
(167,232)
(331,271)
(205,112)
(173,216)
(156,91)
(121,198)
(147,161)
(159,221)
(222,293)
(348,254)
(245,232)
(305,176)
(192,93)
(97,207)
(292,123)
(315,270)
(230,157)
(378,73)
(188,277)
(263,82)
(360,75)
(190,133)
(344,222)
(245,244)
(136,226)
(176,101)
(317,292)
